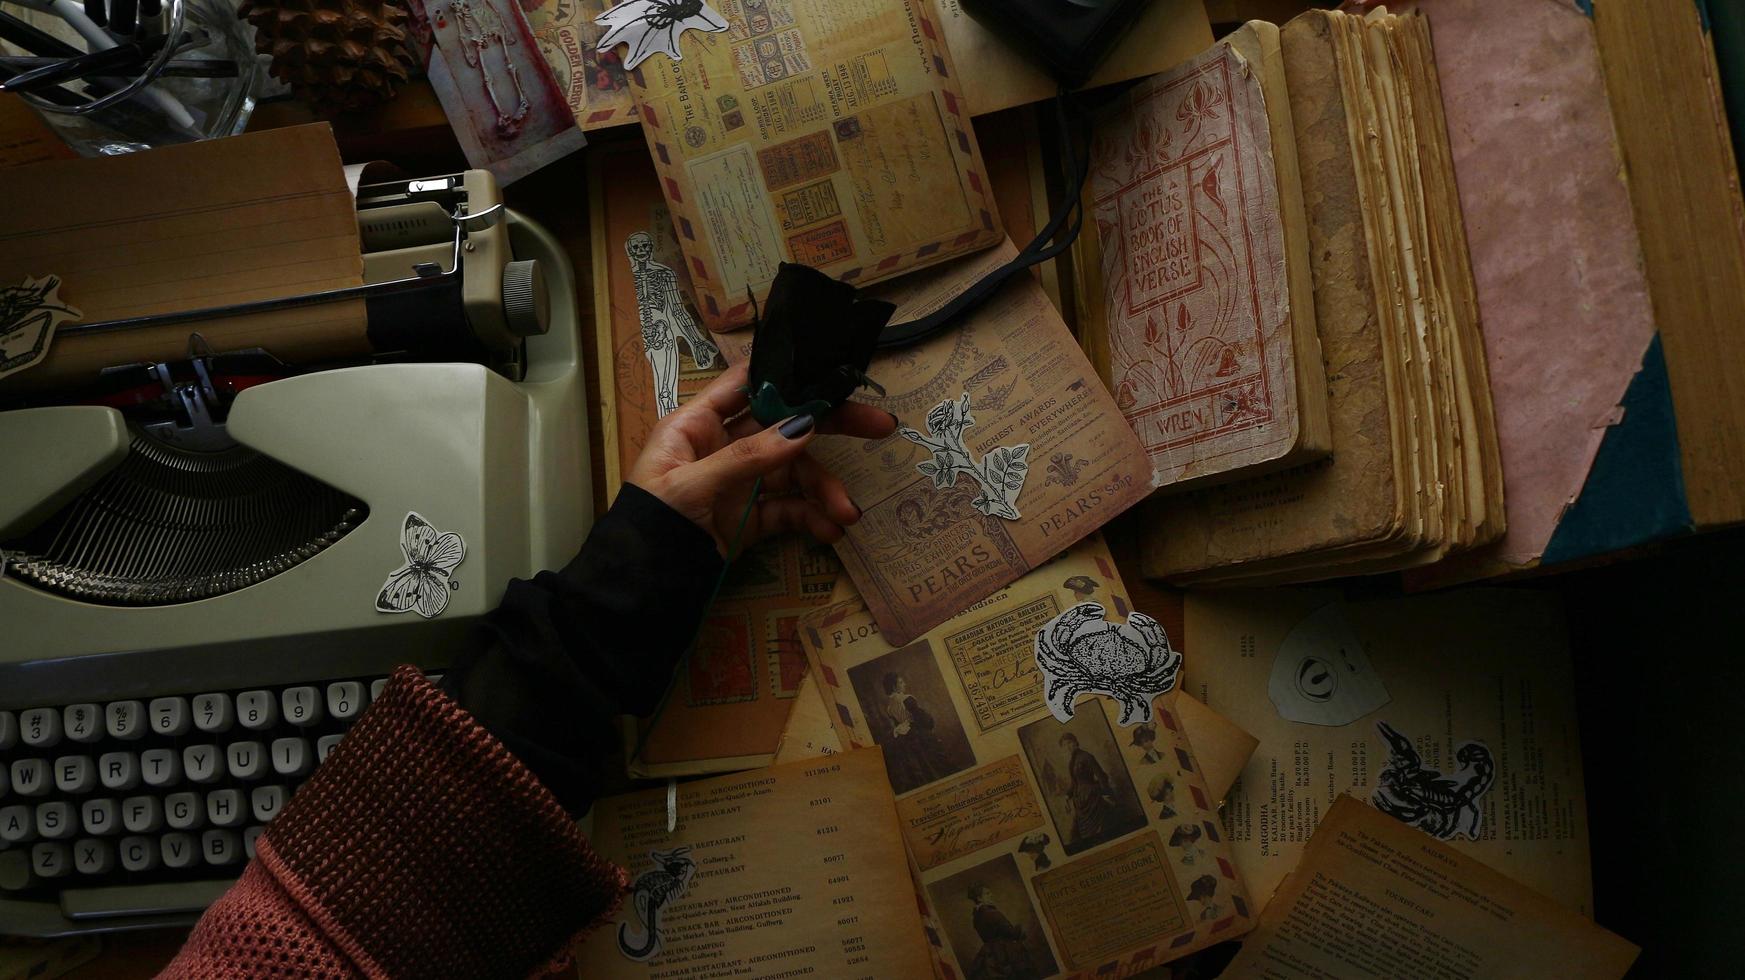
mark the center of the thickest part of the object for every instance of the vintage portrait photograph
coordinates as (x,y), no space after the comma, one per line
(991,924)
(1079,769)
(909,712)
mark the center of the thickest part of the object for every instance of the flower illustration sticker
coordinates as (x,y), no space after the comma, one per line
(29,314)
(1000,473)
(1079,652)
(422,584)
(647,26)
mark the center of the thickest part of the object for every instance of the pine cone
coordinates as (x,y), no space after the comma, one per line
(337,55)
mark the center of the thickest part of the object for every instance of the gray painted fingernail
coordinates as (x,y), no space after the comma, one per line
(797,426)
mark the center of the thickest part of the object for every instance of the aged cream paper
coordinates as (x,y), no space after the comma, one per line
(1067,847)
(792,868)
(829,133)
(1374,898)
(1487,667)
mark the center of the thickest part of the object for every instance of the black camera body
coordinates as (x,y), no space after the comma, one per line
(1068,37)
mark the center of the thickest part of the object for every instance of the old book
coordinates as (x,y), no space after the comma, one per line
(1094,846)
(1374,898)
(1456,710)
(793,870)
(1415,475)
(1207,327)
(832,134)
(1672,126)
(1010,451)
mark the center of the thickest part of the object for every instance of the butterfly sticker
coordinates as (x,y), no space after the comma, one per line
(421,585)
(647,26)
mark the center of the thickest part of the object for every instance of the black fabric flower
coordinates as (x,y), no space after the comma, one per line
(812,345)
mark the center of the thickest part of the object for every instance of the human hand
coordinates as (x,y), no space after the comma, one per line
(703,460)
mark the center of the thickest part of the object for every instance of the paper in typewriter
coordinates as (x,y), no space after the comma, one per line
(829,133)
(1099,853)
(923,551)
(1475,687)
(1208,326)
(1374,898)
(270,216)
(787,871)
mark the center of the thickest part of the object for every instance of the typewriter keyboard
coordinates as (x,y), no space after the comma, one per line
(102,805)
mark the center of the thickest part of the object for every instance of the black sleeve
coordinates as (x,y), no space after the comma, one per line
(572,650)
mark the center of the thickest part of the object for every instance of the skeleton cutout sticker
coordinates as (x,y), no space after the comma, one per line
(660,307)
(1000,474)
(653,891)
(1079,652)
(1445,807)
(29,314)
(422,584)
(647,26)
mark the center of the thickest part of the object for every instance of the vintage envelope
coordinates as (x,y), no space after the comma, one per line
(830,133)
(1089,847)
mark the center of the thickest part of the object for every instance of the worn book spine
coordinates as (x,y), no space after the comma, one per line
(1352,498)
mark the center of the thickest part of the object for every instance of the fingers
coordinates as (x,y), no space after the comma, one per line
(826,490)
(797,515)
(722,396)
(744,460)
(861,421)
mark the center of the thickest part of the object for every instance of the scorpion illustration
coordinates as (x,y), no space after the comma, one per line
(1439,805)
(652,891)
(1078,651)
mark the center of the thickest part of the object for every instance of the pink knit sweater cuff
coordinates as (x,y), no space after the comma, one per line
(423,848)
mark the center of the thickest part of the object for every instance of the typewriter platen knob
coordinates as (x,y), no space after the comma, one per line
(526,306)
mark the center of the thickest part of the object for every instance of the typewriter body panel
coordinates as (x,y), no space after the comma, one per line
(491,447)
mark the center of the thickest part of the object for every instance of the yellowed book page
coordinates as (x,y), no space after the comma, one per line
(829,133)
(922,552)
(1099,841)
(1186,204)
(797,866)
(997,76)
(808,733)
(1375,898)
(1352,499)
(1315,679)
(131,235)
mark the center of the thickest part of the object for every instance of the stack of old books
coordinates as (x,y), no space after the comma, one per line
(1283,203)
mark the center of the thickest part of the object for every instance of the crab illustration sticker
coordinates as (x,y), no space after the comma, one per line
(423,582)
(1000,474)
(1079,652)
(1443,806)
(1321,675)
(647,26)
(29,314)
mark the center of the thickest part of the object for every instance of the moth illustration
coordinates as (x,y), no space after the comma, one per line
(421,585)
(647,26)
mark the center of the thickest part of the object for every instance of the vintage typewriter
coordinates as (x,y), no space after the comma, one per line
(208,566)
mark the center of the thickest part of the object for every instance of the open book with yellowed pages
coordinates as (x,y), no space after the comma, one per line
(1076,846)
